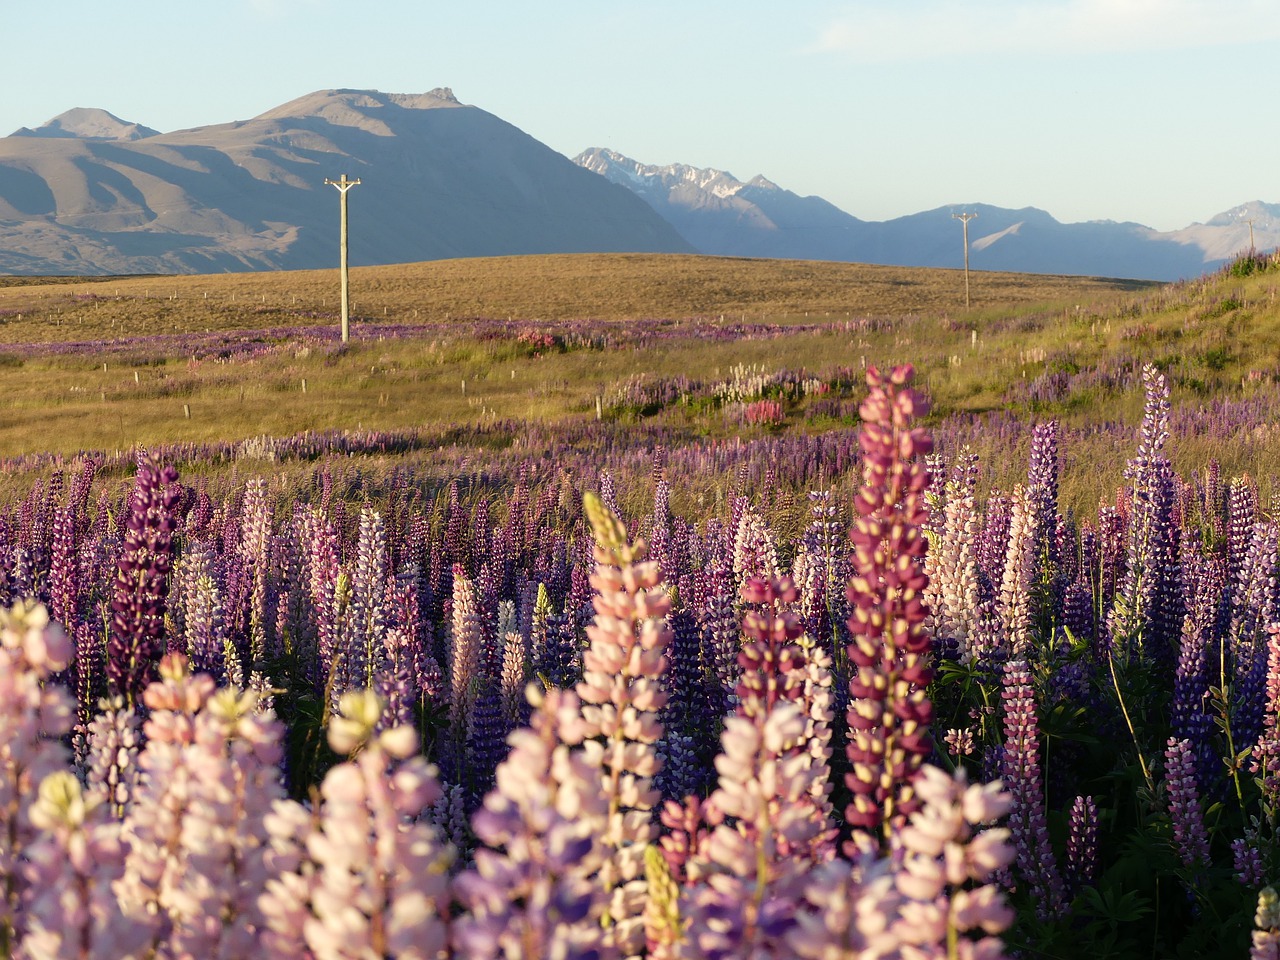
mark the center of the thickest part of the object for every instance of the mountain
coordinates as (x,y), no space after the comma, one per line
(1225,235)
(87,123)
(88,193)
(722,215)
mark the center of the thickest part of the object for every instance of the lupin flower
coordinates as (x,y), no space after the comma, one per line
(991,548)
(486,739)
(1189,836)
(396,682)
(779,665)
(322,589)
(70,908)
(747,899)
(255,540)
(821,567)
(1266,755)
(621,693)
(771,662)
(63,582)
(947,869)
(952,566)
(1036,862)
(1136,617)
(368,876)
(889,710)
(449,814)
(1242,514)
(1266,938)
(1014,600)
(849,913)
(205,640)
(363,633)
(721,629)
(528,895)
(464,655)
(142,583)
(114,741)
(211,774)
(34,715)
(1042,496)
(1082,843)
(751,867)
(754,555)
(1246,859)
(514,677)
(162,796)
(818,703)
(1204,582)
(663,928)
(959,742)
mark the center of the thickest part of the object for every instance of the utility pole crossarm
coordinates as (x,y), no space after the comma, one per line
(343,185)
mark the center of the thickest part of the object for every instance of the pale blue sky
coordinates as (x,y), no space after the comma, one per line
(1157,111)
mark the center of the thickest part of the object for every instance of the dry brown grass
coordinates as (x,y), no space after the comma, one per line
(598,286)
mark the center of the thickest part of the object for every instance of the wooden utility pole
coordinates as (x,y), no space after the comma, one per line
(1249,221)
(343,185)
(965,218)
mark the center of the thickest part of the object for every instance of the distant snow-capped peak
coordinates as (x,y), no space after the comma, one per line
(622,169)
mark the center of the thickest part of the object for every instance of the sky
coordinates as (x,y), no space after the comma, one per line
(1155,111)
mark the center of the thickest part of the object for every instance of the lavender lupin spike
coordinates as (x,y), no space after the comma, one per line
(1131,625)
(528,894)
(322,587)
(1254,606)
(485,739)
(1198,656)
(63,586)
(1042,495)
(1022,777)
(255,539)
(1190,839)
(754,554)
(366,875)
(991,549)
(1265,764)
(1242,513)
(367,615)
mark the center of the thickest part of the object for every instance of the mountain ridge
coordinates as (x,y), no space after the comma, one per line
(87,192)
(440,179)
(722,215)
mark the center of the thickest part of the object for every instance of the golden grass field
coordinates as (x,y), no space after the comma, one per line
(1219,336)
(603,287)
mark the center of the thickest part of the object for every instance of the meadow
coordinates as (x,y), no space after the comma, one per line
(640,606)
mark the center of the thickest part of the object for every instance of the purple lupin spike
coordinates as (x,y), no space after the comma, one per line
(1022,777)
(141,585)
